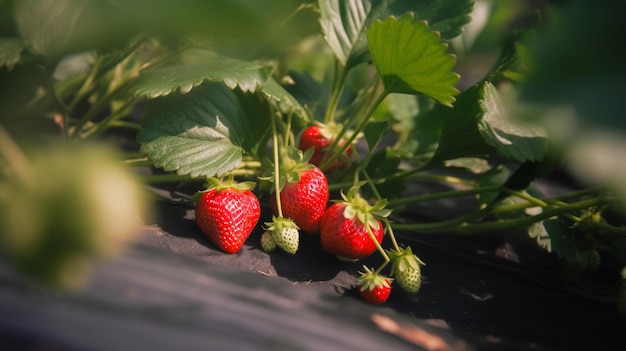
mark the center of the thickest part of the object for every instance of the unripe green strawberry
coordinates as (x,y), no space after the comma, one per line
(406,269)
(284,233)
(410,279)
(267,243)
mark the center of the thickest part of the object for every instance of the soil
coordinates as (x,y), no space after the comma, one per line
(172,289)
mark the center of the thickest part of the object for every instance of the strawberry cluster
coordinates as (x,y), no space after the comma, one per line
(350,228)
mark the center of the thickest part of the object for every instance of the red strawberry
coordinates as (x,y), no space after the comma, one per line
(320,137)
(373,287)
(227,213)
(304,199)
(344,227)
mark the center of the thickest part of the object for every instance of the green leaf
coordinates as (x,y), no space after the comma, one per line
(374,132)
(512,139)
(460,136)
(446,17)
(10,51)
(48,27)
(199,133)
(274,91)
(344,24)
(246,76)
(410,59)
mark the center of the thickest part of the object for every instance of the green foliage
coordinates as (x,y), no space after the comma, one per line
(246,76)
(200,133)
(10,51)
(410,59)
(221,79)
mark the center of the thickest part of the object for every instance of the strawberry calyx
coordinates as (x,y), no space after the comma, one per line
(360,208)
(370,280)
(292,163)
(219,184)
(403,259)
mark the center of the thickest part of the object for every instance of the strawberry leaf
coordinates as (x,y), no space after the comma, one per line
(48,27)
(344,24)
(246,76)
(446,17)
(512,139)
(10,51)
(274,91)
(200,133)
(410,59)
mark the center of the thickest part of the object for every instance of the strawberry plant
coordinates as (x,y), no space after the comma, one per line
(372,92)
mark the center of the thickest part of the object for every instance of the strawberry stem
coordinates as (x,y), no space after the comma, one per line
(378,247)
(276,166)
(337,89)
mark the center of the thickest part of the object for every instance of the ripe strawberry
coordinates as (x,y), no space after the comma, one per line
(344,227)
(406,269)
(304,197)
(284,233)
(373,287)
(227,212)
(320,138)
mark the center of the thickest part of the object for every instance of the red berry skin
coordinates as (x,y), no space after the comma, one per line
(305,201)
(312,137)
(345,237)
(227,217)
(377,295)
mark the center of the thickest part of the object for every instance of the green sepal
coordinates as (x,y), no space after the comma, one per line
(369,280)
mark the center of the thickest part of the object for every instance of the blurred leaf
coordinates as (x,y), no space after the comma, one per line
(427,129)
(48,26)
(344,24)
(312,95)
(200,133)
(384,163)
(460,136)
(10,51)
(447,17)
(497,175)
(577,60)
(246,76)
(512,139)
(374,131)
(274,91)
(576,247)
(411,60)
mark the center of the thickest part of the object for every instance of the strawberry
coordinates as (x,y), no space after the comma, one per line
(267,243)
(320,137)
(373,287)
(348,227)
(227,212)
(284,233)
(304,195)
(406,269)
